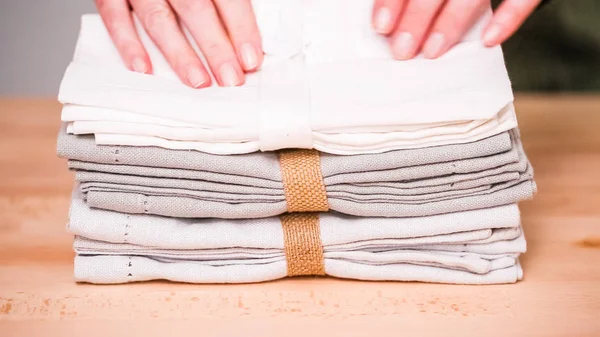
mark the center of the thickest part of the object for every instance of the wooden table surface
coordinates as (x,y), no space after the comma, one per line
(560,295)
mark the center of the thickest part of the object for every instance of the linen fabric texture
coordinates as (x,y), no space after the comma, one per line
(417,182)
(302,97)
(420,186)
(472,247)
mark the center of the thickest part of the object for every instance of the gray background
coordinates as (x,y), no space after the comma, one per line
(557,50)
(37,39)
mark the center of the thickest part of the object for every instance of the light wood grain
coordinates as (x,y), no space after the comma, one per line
(560,295)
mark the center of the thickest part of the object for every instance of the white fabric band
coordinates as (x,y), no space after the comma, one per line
(285,109)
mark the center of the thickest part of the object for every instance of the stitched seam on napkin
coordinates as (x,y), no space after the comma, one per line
(303,181)
(146,203)
(127,229)
(302,244)
(117,154)
(129,268)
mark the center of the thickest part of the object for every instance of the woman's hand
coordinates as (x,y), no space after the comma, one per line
(434,26)
(225,31)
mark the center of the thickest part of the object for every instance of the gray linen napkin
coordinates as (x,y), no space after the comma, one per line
(421,182)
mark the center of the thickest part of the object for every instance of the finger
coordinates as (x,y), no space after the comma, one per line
(508,18)
(202,19)
(385,15)
(118,22)
(241,26)
(413,26)
(160,22)
(452,23)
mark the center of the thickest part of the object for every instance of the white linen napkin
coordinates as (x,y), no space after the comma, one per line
(328,82)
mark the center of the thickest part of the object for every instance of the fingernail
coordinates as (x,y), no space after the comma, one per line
(492,34)
(196,77)
(403,46)
(139,66)
(434,45)
(249,57)
(229,77)
(383,20)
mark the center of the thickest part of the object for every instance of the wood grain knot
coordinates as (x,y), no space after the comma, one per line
(591,242)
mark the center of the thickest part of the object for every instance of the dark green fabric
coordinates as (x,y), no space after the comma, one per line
(557,49)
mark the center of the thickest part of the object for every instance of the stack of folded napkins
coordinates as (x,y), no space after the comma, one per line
(333,159)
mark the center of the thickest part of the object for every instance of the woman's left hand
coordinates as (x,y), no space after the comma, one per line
(434,26)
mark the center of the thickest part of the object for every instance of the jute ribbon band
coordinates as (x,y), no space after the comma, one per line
(302,242)
(303,181)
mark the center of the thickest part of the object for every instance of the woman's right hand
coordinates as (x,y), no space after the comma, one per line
(225,31)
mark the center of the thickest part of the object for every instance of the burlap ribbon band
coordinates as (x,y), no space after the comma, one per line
(304,192)
(302,242)
(303,181)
